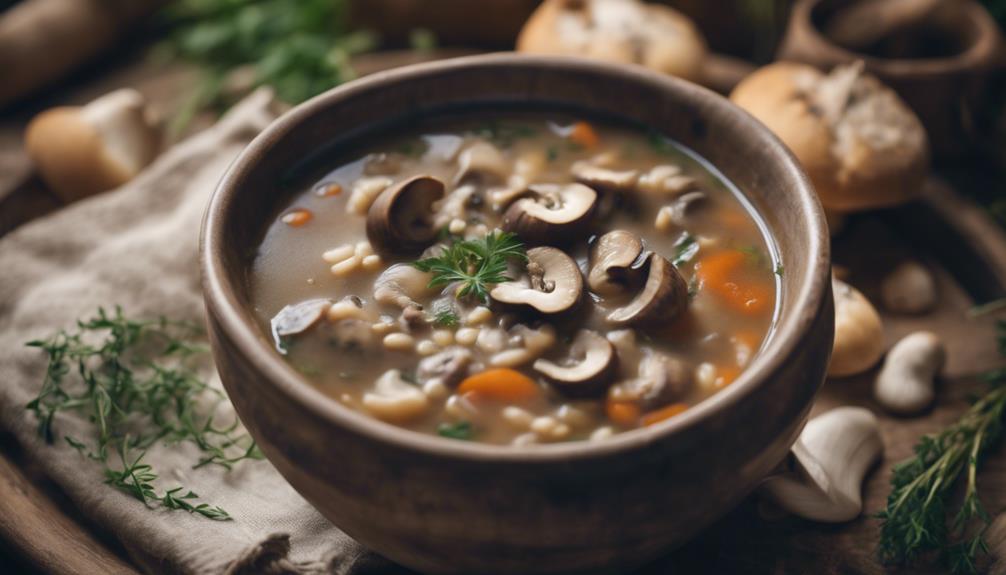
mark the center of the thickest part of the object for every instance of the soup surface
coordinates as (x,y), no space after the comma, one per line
(528,280)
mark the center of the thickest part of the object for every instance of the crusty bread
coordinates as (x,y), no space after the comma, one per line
(82,151)
(623,31)
(859,143)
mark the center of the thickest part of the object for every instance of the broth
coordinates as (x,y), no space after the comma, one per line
(646,337)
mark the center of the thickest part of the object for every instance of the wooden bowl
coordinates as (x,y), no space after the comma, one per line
(944,91)
(445,506)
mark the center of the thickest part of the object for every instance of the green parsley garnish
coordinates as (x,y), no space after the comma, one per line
(446,318)
(461,430)
(923,486)
(476,265)
(684,250)
(137,382)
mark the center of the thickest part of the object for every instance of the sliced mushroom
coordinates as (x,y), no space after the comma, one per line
(297,318)
(394,399)
(400,221)
(531,342)
(551,283)
(665,179)
(661,379)
(662,299)
(551,214)
(448,367)
(601,178)
(484,160)
(611,263)
(401,285)
(590,367)
(455,206)
(676,213)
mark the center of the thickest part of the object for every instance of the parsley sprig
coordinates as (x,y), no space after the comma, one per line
(476,265)
(137,382)
(915,519)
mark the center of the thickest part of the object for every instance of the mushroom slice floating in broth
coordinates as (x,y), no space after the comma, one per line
(612,258)
(591,365)
(551,214)
(664,296)
(297,318)
(551,283)
(661,379)
(400,221)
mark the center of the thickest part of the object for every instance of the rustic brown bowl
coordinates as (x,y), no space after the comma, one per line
(945,92)
(446,506)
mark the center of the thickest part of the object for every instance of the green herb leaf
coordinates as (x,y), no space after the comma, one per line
(461,430)
(475,265)
(685,250)
(779,270)
(137,382)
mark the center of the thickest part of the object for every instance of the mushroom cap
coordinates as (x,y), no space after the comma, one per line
(400,221)
(552,284)
(551,214)
(82,151)
(593,365)
(859,332)
(296,318)
(602,178)
(612,257)
(663,298)
(483,158)
(861,145)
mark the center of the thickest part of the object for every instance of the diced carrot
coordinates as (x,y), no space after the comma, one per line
(329,190)
(501,384)
(722,274)
(664,413)
(584,134)
(622,413)
(297,217)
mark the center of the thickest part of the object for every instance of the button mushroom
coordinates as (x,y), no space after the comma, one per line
(395,399)
(612,258)
(400,221)
(448,367)
(663,297)
(297,318)
(401,285)
(551,283)
(832,456)
(859,333)
(661,380)
(483,160)
(601,178)
(587,371)
(551,214)
(906,383)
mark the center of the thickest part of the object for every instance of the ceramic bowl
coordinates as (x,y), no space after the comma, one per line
(445,506)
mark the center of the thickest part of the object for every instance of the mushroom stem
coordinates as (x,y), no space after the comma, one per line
(832,456)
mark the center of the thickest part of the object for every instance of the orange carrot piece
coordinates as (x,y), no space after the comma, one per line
(501,384)
(725,375)
(664,413)
(296,218)
(622,413)
(722,274)
(329,190)
(584,134)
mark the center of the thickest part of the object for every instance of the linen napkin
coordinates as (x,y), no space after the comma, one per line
(137,247)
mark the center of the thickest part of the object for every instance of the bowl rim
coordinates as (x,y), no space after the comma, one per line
(981,53)
(219,288)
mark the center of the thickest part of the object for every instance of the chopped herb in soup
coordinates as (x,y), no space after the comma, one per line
(525,280)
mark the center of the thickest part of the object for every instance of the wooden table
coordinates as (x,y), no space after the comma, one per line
(41,530)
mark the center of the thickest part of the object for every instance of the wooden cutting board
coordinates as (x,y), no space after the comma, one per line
(967,252)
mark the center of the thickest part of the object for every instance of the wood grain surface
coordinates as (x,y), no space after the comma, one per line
(966,251)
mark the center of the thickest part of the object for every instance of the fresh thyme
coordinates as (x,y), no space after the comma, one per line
(136,380)
(446,318)
(915,519)
(476,265)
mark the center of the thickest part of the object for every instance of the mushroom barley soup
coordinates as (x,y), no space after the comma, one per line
(526,281)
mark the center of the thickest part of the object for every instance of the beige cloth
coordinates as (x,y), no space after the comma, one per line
(137,247)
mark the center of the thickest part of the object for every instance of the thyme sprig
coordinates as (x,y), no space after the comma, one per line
(915,520)
(476,265)
(137,381)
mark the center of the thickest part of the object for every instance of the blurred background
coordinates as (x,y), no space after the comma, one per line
(192,59)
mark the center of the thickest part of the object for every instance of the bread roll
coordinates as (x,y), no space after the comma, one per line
(82,151)
(860,144)
(623,31)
